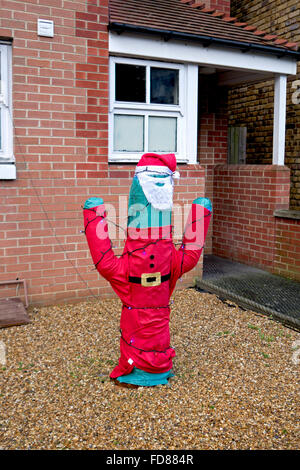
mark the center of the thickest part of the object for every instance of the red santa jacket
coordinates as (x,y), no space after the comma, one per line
(144,277)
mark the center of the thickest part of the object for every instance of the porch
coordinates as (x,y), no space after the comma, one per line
(245,197)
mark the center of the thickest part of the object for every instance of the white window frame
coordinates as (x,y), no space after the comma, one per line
(7,160)
(185,111)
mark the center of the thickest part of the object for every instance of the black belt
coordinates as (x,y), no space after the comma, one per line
(150,279)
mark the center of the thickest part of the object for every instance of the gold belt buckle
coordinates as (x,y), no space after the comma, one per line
(150,279)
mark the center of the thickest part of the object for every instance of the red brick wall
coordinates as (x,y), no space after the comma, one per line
(287,254)
(245,197)
(60,110)
(92,77)
(212,136)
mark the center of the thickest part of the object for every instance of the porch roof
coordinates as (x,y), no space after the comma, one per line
(190,20)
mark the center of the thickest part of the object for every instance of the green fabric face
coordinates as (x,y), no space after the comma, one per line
(140,213)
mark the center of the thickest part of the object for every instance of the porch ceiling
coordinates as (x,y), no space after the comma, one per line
(230,77)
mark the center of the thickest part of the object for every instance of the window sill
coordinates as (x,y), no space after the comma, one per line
(136,159)
(8,171)
(286,214)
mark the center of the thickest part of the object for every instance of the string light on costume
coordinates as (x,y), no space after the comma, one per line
(128,252)
(103,254)
(144,350)
(104,216)
(130,307)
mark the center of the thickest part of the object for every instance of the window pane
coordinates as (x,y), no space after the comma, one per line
(164,86)
(130,83)
(128,133)
(162,134)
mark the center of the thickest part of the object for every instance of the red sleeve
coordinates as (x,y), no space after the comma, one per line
(112,268)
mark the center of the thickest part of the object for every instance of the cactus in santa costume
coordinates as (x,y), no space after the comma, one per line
(145,275)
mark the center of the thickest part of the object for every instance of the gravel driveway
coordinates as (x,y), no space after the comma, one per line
(236,383)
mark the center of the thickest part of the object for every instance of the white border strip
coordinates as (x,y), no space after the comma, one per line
(141,45)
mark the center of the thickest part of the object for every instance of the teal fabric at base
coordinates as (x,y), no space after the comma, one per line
(145,379)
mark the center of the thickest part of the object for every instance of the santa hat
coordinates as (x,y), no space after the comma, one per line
(154,160)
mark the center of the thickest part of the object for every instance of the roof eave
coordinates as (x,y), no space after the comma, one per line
(205,40)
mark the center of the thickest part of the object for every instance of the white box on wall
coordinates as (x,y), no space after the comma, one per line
(46,28)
